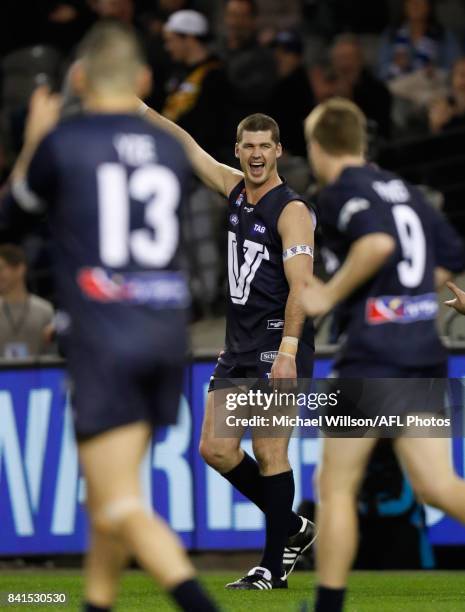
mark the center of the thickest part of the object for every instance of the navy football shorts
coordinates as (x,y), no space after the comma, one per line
(108,393)
(258,364)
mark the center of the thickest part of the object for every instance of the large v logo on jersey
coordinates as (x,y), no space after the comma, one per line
(241,279)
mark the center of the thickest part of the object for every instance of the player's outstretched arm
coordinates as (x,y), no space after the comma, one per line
(458,302)
(295,226)
(44,112)
(217,176)
(366,256)
(441,276)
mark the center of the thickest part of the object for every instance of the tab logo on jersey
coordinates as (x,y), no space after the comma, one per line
(157,289)
(275,324)
(248,209)
(268,356)
(259,229)
(234,219)
(401,309)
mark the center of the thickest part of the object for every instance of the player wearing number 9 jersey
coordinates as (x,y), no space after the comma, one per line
(112,186)
(389,252)
(389,323)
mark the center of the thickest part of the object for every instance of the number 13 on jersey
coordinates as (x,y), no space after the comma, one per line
(155,186)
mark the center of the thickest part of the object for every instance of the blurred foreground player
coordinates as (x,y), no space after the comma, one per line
(112,185)
(390,251)
(270,258)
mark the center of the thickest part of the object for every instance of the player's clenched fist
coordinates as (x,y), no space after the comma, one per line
(459,301)
(44,112)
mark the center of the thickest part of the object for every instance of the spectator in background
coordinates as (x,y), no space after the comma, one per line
(151,17)
(323,79)
(25,319)
(156,13)
(275,16)
(66,22)
(355,82)
(197,97)
(332,17)
(448,113)
(419,43)
(292,98)
(250,67)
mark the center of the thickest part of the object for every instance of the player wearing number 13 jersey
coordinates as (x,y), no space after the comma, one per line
(112,186)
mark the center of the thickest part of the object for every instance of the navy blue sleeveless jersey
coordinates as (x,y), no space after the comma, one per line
(112,186)
(258,289)
(391,318)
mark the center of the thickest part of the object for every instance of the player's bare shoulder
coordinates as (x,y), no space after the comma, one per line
(297,217)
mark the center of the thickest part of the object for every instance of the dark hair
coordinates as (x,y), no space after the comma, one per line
(434,27)
(204,39)
(258,123)
(253,6)
(12,254)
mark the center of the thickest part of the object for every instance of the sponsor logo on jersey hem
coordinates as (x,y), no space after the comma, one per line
(164,289)
(275,324)
(268,356)
(401,309)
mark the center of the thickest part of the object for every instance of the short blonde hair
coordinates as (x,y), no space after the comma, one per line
(111,56)
(338,126)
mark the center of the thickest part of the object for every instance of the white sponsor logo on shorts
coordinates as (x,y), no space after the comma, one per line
(268,356)
(275,324)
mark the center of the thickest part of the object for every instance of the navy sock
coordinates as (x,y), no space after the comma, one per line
(190,597)
(88,607)
(278,492)
(246,478)
(329,600)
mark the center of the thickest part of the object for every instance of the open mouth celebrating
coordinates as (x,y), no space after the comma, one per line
(256,168)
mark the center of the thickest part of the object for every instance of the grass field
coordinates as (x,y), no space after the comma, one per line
(369,592)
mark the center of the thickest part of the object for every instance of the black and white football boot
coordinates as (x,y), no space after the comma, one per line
(297,544)
(258,579)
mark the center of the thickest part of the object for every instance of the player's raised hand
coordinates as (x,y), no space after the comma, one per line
(44,112)
(459,301)
(316,298)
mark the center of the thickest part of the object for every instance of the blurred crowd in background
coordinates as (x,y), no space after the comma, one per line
(216,61)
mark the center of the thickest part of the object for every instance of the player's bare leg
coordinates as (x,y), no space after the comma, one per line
(271,455)
(342,467)
(430,471)
(106,559)
(221,453)
(111,463)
